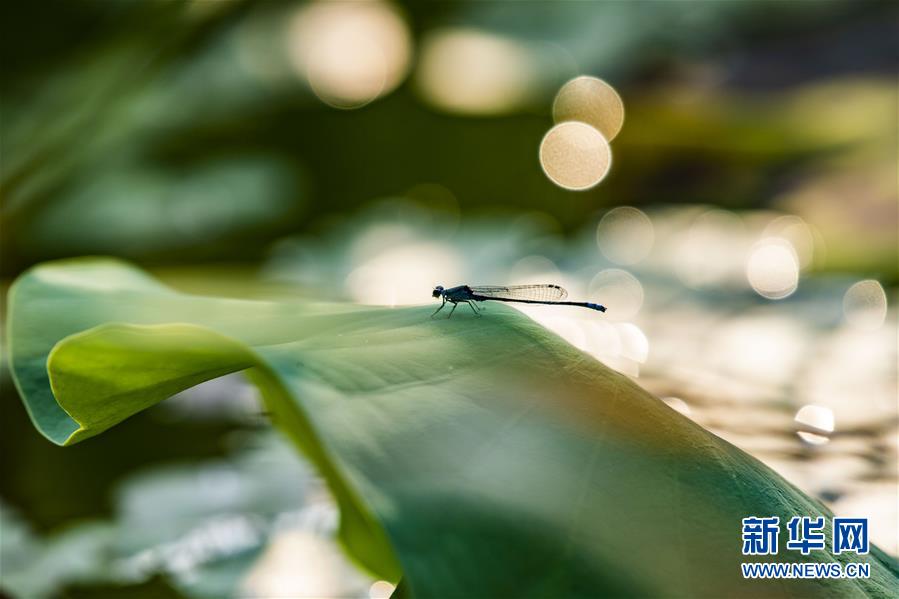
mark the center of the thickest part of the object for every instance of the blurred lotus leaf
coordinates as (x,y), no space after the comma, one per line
(34,567)
(471,456)
(203,526)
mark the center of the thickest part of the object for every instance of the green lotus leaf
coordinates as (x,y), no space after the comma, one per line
(475,457)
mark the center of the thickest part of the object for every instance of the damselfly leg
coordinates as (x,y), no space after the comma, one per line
(455,304)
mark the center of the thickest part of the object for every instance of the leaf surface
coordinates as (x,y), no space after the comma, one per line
(473,456)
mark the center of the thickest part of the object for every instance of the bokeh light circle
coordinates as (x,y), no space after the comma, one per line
(349,52)
(773,269)
(575,156)
(402,274)
(619,291)
(592,101)
(818,418)
(634,344)
(381,589)
(470,71)
(625,235)
(865,305)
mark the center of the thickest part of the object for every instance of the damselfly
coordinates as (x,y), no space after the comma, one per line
(551,295)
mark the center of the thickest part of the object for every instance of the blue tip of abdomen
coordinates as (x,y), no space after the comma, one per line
(597,307)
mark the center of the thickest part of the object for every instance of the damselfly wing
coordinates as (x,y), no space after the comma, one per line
(539,293)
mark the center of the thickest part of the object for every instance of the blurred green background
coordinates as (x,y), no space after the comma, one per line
(368,151)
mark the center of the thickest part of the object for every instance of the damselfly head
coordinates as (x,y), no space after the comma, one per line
(438,291)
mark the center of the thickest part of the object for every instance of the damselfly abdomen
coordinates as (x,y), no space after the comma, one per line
(551,295)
